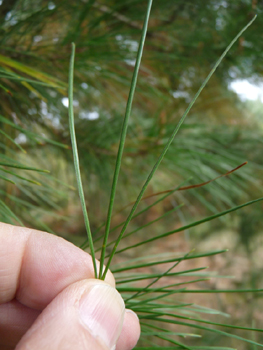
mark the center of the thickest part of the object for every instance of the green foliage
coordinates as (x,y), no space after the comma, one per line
(184,40)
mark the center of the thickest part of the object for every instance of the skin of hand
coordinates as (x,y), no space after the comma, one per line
(49,298)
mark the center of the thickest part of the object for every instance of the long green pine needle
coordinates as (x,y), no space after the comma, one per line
(123,137)
(169,143)
(196,223)
(76,157)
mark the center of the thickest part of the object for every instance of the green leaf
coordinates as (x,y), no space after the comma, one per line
(169,143)
(102,273)
(76,159)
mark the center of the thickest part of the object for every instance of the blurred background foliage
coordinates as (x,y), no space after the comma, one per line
(184,40)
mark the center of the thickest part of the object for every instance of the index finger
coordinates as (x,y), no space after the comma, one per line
(35,266)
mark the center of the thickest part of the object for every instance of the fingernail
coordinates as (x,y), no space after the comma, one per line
(102,311)
(133,313)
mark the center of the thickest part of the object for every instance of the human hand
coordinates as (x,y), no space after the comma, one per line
(50,300)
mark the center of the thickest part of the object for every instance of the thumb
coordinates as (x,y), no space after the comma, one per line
(86,315)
